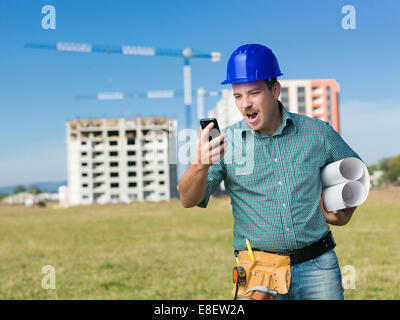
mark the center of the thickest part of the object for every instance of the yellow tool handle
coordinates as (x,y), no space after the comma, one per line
(251,254)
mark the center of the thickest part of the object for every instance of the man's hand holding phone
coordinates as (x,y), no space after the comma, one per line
(209,151)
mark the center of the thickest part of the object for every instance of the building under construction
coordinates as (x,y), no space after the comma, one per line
(121,160)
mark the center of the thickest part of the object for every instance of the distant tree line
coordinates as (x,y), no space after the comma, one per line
(391,171)
(20,188)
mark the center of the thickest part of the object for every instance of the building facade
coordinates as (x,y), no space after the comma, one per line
(121,160)
(313,98)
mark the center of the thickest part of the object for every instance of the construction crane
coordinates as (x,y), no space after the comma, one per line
(154,94)
(186,54)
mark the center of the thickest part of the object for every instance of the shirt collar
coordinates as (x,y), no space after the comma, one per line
(286,120)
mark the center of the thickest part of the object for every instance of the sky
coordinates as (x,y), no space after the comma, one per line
(38,88)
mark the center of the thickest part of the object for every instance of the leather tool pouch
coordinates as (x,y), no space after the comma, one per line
(268,270)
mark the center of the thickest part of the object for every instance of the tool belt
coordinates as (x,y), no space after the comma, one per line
(269,273)
(268,270)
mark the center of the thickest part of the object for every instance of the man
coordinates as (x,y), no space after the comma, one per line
(278,202)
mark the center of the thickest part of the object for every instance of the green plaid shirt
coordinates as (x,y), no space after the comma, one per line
(274,181)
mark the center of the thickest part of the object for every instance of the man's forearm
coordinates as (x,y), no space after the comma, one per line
(192,186)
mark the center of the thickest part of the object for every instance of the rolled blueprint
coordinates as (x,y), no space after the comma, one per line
(345,170)
(345,183)
(365,178)
(344,195)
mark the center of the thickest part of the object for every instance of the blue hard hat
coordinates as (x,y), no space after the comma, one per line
(251,62)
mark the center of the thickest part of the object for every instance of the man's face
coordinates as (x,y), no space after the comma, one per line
(256,102)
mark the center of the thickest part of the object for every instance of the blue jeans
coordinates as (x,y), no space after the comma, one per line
(316,279)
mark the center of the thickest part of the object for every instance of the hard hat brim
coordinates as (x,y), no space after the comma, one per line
(244,80)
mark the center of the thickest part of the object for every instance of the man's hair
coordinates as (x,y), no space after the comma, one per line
(270,82)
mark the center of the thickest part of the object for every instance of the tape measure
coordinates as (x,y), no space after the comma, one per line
(239,276)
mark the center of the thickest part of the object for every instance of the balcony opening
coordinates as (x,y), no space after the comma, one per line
(97,195)
(97,134)
(95,143)
(97,184)
(130,134)
(113,133)
(147,194)
(132,196)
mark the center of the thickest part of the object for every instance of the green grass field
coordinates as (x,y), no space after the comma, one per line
(163,251)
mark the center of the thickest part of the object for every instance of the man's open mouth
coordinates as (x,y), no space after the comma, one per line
(252,116)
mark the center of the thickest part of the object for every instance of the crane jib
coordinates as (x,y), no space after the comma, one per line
(124,49)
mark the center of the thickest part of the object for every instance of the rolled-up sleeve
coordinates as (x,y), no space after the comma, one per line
(336,148)
(216,174)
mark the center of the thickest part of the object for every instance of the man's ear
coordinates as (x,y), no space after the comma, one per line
(276,90)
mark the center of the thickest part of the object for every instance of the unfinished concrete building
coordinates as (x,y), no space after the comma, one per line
(121,160)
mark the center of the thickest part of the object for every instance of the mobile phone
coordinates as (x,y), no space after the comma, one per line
(214,132)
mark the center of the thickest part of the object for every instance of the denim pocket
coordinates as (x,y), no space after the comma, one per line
(326,261)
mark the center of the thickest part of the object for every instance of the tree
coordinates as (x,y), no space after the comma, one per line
(34,190)
(384,164)
(393,169)
(3,195)
(19,189)
(373,168)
